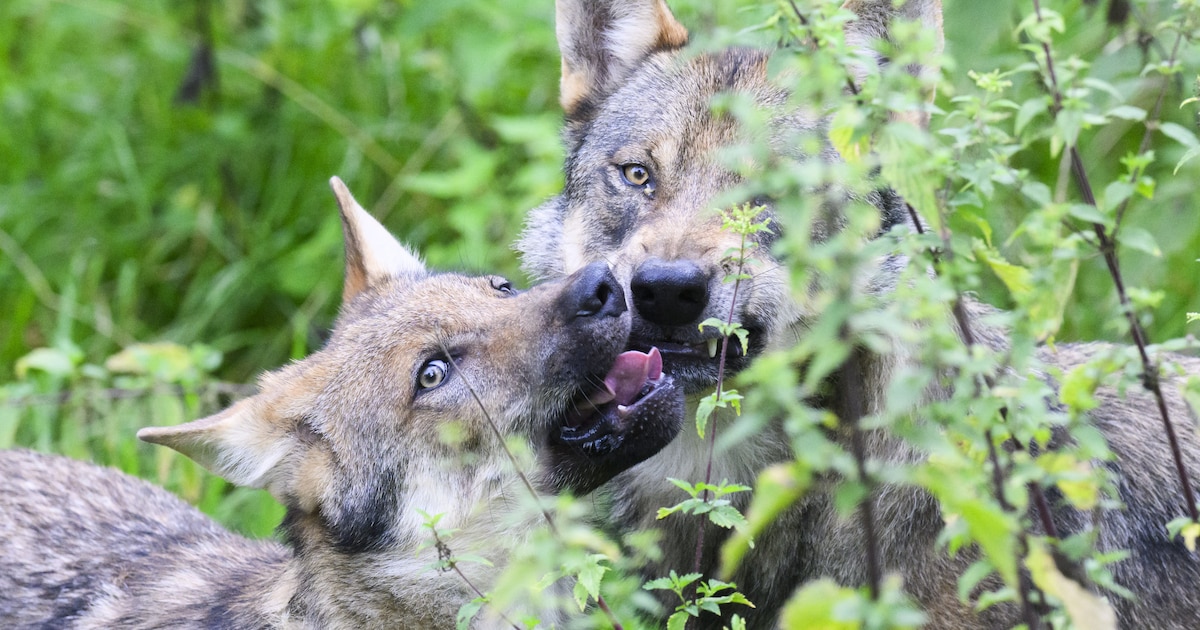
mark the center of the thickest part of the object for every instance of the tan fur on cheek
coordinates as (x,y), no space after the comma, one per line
(311,479)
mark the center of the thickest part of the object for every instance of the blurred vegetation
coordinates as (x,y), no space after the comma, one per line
(166,230)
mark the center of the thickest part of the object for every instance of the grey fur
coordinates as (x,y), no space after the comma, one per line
(354,447)
(652,108)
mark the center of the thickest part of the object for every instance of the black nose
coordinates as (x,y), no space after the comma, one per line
(669,293)
(594,291)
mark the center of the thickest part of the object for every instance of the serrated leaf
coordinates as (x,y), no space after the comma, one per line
(591,573)
(1141,240)
(580,593)
(677,621)
(727,516)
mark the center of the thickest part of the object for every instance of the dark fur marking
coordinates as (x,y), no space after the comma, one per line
(362,523)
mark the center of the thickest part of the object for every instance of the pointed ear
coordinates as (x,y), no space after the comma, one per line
(239,444)
(601,40)
(372,253)
(873,26)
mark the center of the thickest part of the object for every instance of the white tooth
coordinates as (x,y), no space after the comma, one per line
(622,411)
(712,348)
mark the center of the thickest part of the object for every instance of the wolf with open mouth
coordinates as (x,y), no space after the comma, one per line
(353,442)
(642,179)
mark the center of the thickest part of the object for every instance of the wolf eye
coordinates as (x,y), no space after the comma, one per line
(503,286)
(433,373)
(635,174)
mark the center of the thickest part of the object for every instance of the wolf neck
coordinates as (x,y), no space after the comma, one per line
(395,580)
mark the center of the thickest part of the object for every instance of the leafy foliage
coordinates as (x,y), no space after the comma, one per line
(167,232)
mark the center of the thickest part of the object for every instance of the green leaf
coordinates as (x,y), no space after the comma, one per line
(467,612)
(1030,109)
(777,488)
(815,606)
(727,516)
(1180,134)
(580,593)
(1127,112)
(1187,157)
(1084,608)
(50,361)
(1015,277)
(677,621)
(1089,213)
(995,532)
(1078,389)
(591,573)
(1141,240)
(704,410)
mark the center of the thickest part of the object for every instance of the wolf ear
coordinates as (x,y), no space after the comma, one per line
(874,25)
(601,40)
(239,444)
(372,253)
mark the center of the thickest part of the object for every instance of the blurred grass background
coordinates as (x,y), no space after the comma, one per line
(167,233)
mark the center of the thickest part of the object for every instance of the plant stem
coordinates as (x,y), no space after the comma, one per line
(852,410)
(1108,249)
(712,436)
(603,605)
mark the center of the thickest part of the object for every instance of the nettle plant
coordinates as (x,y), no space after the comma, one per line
(1016,140)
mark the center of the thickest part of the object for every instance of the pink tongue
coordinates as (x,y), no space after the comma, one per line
(630,372)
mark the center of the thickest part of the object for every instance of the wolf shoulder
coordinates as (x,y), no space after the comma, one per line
(83,546)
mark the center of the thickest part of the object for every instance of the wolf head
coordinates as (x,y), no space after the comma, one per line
(424,366)
(643,181)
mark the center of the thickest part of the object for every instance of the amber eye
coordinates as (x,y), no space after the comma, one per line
(433,373)
(635,174)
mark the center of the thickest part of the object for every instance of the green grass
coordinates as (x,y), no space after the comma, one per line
(131,215)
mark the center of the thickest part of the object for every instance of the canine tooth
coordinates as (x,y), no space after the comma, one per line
(622,411)
(712,348)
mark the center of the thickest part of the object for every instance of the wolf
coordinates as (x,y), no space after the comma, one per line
(641,181)
(352,441)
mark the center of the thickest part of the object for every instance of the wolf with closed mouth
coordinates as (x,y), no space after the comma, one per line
(642,177)
(351,441)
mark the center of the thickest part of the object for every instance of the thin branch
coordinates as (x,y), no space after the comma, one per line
(603,605)
(445,555)
(852,411)
(712,437)
(1151,124)
(1108,248)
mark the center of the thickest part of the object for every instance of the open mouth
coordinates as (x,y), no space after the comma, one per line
(635,413)
(598,421)
(693,361)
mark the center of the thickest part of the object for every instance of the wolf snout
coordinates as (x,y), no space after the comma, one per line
(594,292)
(669,293)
